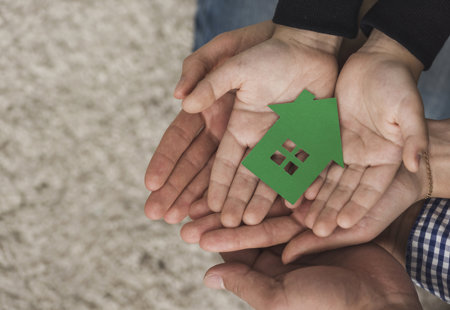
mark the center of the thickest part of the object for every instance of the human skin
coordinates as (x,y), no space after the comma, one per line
(177,145)
(342,196)
(382,123)
(288,226)
(191,140)
(273,71)
(359,277)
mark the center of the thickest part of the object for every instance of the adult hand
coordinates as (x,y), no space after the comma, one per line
(188,144)
(274,71)
(382,121)
(360,277)
(287,225)
(179,170)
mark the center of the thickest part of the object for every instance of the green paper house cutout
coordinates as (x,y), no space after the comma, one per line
(313,126)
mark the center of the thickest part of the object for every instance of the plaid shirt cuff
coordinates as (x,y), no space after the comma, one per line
(428,251)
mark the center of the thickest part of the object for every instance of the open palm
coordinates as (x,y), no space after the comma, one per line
(271,72)
(382,122)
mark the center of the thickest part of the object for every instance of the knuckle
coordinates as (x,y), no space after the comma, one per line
(225,162)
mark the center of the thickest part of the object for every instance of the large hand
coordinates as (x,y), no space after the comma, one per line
(273,71)
(191,139)
(362,277)
(174,171)
(382,118)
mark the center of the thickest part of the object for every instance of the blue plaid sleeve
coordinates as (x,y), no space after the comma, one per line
(428,251)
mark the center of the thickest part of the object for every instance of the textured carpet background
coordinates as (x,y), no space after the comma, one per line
(85,95)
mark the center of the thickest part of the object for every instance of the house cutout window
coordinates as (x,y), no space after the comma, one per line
(302,155)
(289,145)
(278,158)
(291,168)
(290,158)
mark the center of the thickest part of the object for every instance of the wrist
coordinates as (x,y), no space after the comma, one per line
(380,43)
(394,239)
(327,43)
(439,154)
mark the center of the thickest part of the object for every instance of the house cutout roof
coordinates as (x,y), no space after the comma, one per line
(313,127)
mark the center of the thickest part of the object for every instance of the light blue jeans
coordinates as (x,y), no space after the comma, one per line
(216,16)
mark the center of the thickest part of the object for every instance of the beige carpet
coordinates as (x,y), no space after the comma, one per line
(85,94)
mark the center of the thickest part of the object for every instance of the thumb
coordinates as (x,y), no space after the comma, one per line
(216,84)
(197,65)
(257,289)
(414,131)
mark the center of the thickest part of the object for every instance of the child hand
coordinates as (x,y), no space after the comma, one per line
(382,120)
(178,173)
(274,71)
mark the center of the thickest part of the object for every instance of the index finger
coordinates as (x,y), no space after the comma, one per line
(270,232)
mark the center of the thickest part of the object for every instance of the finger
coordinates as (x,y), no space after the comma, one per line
(228,159)
(271,232)
(216,84)
(186,169)
(191,232)
(278,209)
(241,190)
(272,257)
(180,209)
(199,209)
(313,190)
(174,143)
(414,131)
(326,221)
(374,183)
(299,214)
(296,204)
(260,204)
(302,155)
(333,176)
(257,289)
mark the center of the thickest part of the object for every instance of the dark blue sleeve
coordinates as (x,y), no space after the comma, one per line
(336,17)
(421,26)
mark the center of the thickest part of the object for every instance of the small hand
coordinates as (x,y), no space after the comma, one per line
(382,121)
(350,278)
(274,71)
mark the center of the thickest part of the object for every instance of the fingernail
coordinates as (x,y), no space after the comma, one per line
(214,282)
